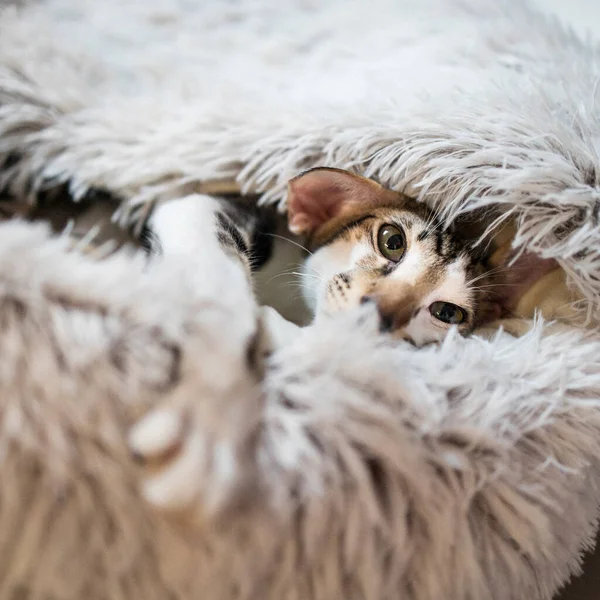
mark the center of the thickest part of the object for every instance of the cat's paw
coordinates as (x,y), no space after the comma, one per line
(196,458)
(196,448)
(171,455)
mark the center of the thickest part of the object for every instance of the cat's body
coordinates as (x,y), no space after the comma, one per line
(200,232)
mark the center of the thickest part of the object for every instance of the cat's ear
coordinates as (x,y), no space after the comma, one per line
(321,194)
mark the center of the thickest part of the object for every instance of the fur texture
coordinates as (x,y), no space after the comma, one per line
(467,104)
(423,474)
(358,468)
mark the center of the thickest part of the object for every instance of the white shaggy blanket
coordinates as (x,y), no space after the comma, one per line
(467,471)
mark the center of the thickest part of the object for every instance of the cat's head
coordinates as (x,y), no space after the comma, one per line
(371,244)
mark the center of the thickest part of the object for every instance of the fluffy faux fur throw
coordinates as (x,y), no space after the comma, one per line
(355,468)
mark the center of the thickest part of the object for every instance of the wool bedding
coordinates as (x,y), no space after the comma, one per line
(356,468)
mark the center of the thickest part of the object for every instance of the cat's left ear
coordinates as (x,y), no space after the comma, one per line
(321,194)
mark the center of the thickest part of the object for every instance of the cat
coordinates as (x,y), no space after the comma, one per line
(358,231)
(369,244)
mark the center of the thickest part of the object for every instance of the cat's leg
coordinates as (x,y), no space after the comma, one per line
(215,231)
(197,442)
(197,225)
(197,447)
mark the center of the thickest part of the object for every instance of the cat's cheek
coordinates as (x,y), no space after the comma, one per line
(317,272)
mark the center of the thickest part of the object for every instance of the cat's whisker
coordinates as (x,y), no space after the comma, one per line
(433,225)
(316,271)
(295,274)
(498,270)
(302,277)
(489,273)
(300,286)
(276,276)
(299,280)
(292,271)
(435,220)
(298,297)
(283,273)
(294,284)
(294,243)
(502,285)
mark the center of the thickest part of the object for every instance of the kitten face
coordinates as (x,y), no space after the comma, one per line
(391,257)
(386,249)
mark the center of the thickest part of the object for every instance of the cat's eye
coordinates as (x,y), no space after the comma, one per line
(448,313)
(391,242)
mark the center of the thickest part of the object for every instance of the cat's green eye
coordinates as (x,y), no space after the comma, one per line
(448,313)
(391,242)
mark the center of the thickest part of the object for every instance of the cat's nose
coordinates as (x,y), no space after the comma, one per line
(386,319)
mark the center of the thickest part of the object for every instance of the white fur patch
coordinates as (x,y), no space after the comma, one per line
(186,225)
(410,270)
(325,263)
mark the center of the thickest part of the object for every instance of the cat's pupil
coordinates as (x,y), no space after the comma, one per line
(394,242)
(447,312)
(391,242)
